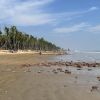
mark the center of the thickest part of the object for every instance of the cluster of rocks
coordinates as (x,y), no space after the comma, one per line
(71,63)
(60,64)
(61,70)
(98,77)
(26,65)
(94,88)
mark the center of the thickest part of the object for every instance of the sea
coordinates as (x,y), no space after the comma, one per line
(80,56)
(86,57)
(87,76)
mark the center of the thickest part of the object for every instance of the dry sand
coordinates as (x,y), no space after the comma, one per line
(8,52)
(39,83)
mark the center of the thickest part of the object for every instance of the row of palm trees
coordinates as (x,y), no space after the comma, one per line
(13,39)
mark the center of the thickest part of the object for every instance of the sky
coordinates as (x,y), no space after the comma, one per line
(73,24)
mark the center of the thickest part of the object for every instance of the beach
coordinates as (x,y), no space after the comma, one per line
(23,77)
(9,52)
(50,50)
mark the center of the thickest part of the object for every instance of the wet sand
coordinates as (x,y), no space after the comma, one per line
(18,82)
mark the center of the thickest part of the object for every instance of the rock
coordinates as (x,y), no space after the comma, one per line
(28,70)
(39,71)
(54,71)
(61,63)
(78,65)
(89,69)
(65,85)
(26,65)
(67,72)
(79,69)
(94,88)
(98,78)
(59,69)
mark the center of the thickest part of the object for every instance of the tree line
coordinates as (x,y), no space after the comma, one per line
(13,39)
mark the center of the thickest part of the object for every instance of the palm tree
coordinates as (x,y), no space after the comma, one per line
(6,30)
(13,33)
(15,40)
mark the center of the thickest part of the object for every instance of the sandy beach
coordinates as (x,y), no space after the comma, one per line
(50,50)
(20,79)
(9,52)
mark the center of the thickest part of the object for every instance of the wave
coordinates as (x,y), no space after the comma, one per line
(86,51)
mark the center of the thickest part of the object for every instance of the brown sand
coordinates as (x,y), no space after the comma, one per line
(38,83)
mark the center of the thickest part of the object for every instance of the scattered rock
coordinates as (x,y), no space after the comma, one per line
(70,63)
(78,65)
(89,69)
(65,85)
(93,88)
(26,65)
(98,78)
(39,72)
(28,70)
(79,69)
(54,71)
(67,72)
(59,69)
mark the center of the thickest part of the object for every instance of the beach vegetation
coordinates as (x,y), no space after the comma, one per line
(13,39)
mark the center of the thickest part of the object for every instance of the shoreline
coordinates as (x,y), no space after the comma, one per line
(8,52)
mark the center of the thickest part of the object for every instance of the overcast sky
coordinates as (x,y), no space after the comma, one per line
(73,24)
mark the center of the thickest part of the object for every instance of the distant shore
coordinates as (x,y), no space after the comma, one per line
(5,52)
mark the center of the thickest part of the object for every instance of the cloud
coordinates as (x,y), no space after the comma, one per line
(29,12)
(93,8)
(94,29)
(79,12)
(32,19)
(68,16)
(81,27)
(74,28)
(32,12)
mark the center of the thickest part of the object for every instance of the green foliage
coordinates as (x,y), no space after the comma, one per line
(13,39)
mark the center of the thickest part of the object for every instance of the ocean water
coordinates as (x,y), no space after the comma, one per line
(84,76)
(80,56)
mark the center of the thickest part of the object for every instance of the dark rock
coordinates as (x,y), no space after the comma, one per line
(94,88)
